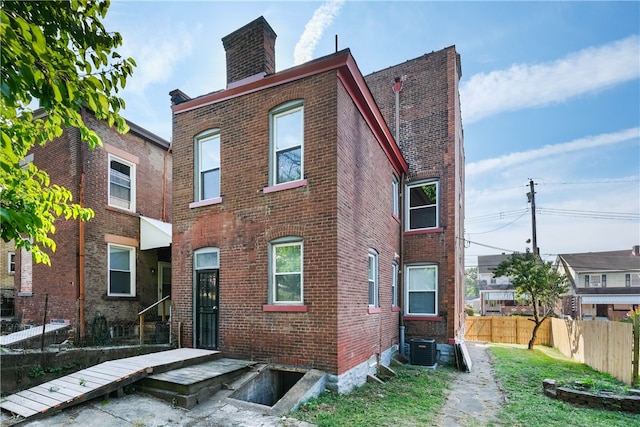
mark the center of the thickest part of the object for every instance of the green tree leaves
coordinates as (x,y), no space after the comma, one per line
(58,54)
(536,282)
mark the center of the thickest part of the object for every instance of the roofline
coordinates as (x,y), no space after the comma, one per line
(137,130)
(350,76)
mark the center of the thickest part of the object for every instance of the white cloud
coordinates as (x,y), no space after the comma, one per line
(156,56)
(502,162)
(313,31)
(531,85)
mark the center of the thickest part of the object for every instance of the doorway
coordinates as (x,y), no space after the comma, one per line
(164,288)
(207,309)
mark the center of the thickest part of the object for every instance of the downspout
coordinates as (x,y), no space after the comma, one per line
(164,184)
(81,248)
(397,87)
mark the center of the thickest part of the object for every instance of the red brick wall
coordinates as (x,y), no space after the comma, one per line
(332,213)
(59,159)
(365,220)
(62,159)
(431,142)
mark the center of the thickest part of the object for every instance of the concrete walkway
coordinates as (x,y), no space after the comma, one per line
(474,398)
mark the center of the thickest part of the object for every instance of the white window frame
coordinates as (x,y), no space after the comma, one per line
(11,263)
(206,266)
(409,291)
(273,246)
(409,209)
(395,269)
(632,279)
(132,183)
(131,271)
(198,168)
(372,279)
(281,111)
(395,197)
(590,282)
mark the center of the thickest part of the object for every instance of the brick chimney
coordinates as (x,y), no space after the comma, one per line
(635,250)
(250,52)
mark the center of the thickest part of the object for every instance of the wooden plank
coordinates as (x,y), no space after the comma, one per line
(17,409)
(111,370)
(94,373)
(88,380)
(71,387)
(64,395)
(45,400)
(27,403)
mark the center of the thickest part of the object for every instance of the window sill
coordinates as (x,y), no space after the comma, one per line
(121,297)
(25,294)
(396,309)
(208,202)
(121,210)
(285,308)
(375,310)
(425,318)
(425,231)
(285,186)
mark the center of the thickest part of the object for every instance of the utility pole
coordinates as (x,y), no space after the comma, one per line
(531,196)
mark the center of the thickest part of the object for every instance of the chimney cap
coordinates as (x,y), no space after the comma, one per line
(226,40)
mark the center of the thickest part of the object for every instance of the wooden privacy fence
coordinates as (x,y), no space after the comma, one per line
(506,329)
(605,346)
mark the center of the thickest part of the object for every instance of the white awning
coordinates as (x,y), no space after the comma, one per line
(154,233)
(611,299)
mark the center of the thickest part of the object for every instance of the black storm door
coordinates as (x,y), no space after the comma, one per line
(207,309)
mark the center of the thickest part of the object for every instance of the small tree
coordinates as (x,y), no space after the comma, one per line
(537,282)
(471,282)
(58,54)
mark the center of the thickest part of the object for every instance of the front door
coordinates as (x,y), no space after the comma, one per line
(207,309)
(164,288)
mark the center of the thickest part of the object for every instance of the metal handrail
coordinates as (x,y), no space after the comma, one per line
(141,316)
(154,304)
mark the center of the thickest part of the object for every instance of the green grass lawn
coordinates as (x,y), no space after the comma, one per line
(521,372)
(410,399)
(416,394)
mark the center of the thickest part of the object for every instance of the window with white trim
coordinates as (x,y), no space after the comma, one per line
(122,270)
(394,284)
(422,206)
(206,259)
(207,165)
(421,290)
(395,189)
(373,278)
(122,183)
(632,279)
(287,143)
(286,277)
(11,262)
(595,280)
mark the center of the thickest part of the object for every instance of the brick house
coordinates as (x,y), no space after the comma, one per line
(291,233)
(7,271)
(114,265)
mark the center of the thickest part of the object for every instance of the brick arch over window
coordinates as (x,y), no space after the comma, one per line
(284,231)
(286,96)
(209,125)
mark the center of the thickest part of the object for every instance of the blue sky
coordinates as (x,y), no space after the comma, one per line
(550,91)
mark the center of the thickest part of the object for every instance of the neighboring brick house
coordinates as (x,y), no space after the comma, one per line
(604,285)
(289,237)
(106,266)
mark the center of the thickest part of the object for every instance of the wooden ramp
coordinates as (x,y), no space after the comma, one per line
(97,381)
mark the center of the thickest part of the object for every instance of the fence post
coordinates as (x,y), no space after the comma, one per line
(636,350)
(44,321)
